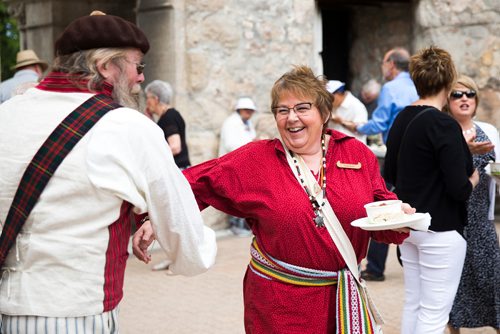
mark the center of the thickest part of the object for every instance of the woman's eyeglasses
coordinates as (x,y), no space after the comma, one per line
(457,94)
(300,109)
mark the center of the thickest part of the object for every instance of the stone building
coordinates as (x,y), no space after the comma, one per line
(213,51)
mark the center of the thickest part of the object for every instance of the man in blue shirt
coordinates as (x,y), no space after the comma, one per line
(398,92)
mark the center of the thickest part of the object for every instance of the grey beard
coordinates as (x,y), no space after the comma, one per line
(126,96)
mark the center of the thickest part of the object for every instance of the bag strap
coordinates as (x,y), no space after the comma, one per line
(408,126)
(45,162)
(344,246)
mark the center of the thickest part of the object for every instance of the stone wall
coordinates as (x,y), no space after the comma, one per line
(470,31)
(373,29)
(234,49)
(238,48)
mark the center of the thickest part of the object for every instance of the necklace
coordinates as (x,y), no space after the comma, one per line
(318,218)
(470,131)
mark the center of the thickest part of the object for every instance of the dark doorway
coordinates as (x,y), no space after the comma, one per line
(336,43)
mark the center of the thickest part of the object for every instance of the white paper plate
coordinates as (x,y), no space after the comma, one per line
(407,221)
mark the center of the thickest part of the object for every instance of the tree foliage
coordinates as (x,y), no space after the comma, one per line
(9,42)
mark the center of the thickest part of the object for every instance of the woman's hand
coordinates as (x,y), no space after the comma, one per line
(409,211)
(142,239)
(474,178)
(481,147)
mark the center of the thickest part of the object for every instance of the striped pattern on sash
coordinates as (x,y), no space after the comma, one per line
(267,265)
(352,312)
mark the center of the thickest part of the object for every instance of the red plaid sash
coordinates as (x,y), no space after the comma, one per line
(45,162)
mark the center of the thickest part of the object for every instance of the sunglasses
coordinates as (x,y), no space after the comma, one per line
(457,94)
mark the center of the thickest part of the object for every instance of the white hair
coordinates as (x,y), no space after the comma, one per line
(371,86)
(161,89)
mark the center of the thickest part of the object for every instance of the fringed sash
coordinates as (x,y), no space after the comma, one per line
(352,312)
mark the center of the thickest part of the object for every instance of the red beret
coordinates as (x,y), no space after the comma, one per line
(99,30)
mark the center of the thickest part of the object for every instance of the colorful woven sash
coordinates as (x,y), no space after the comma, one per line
(265,264)
(352,312)
(45,162)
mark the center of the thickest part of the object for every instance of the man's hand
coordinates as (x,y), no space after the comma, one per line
(351,126)
(336,119)
(142,239)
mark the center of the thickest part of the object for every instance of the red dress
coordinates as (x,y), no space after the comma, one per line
(256,182)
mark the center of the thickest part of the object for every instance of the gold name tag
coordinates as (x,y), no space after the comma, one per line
(349,166)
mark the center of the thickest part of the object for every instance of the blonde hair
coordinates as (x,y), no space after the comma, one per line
(469,83)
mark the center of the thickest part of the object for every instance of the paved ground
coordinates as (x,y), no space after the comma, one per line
(212,303)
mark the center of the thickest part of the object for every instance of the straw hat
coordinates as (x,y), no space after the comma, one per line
(29,57)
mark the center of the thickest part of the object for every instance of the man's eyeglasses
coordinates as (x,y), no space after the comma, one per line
(457,94)
(300,109)
(138,66)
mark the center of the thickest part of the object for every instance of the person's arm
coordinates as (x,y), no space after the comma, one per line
(360,114)
(381,193)
(216,183)
(381,116)
(174,141)
(136,166)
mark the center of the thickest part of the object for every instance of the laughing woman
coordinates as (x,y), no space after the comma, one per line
(299,195)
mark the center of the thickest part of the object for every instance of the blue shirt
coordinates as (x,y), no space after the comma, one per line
(394,96)
(8,86)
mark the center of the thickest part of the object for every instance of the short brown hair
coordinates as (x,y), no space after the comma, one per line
(302,82)
(432,70)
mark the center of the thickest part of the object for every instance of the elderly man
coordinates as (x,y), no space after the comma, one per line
(63,272)
(29,69)
(398,92)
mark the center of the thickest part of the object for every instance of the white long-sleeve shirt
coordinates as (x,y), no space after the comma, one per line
(70,256)
(235,133)
(353,110)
